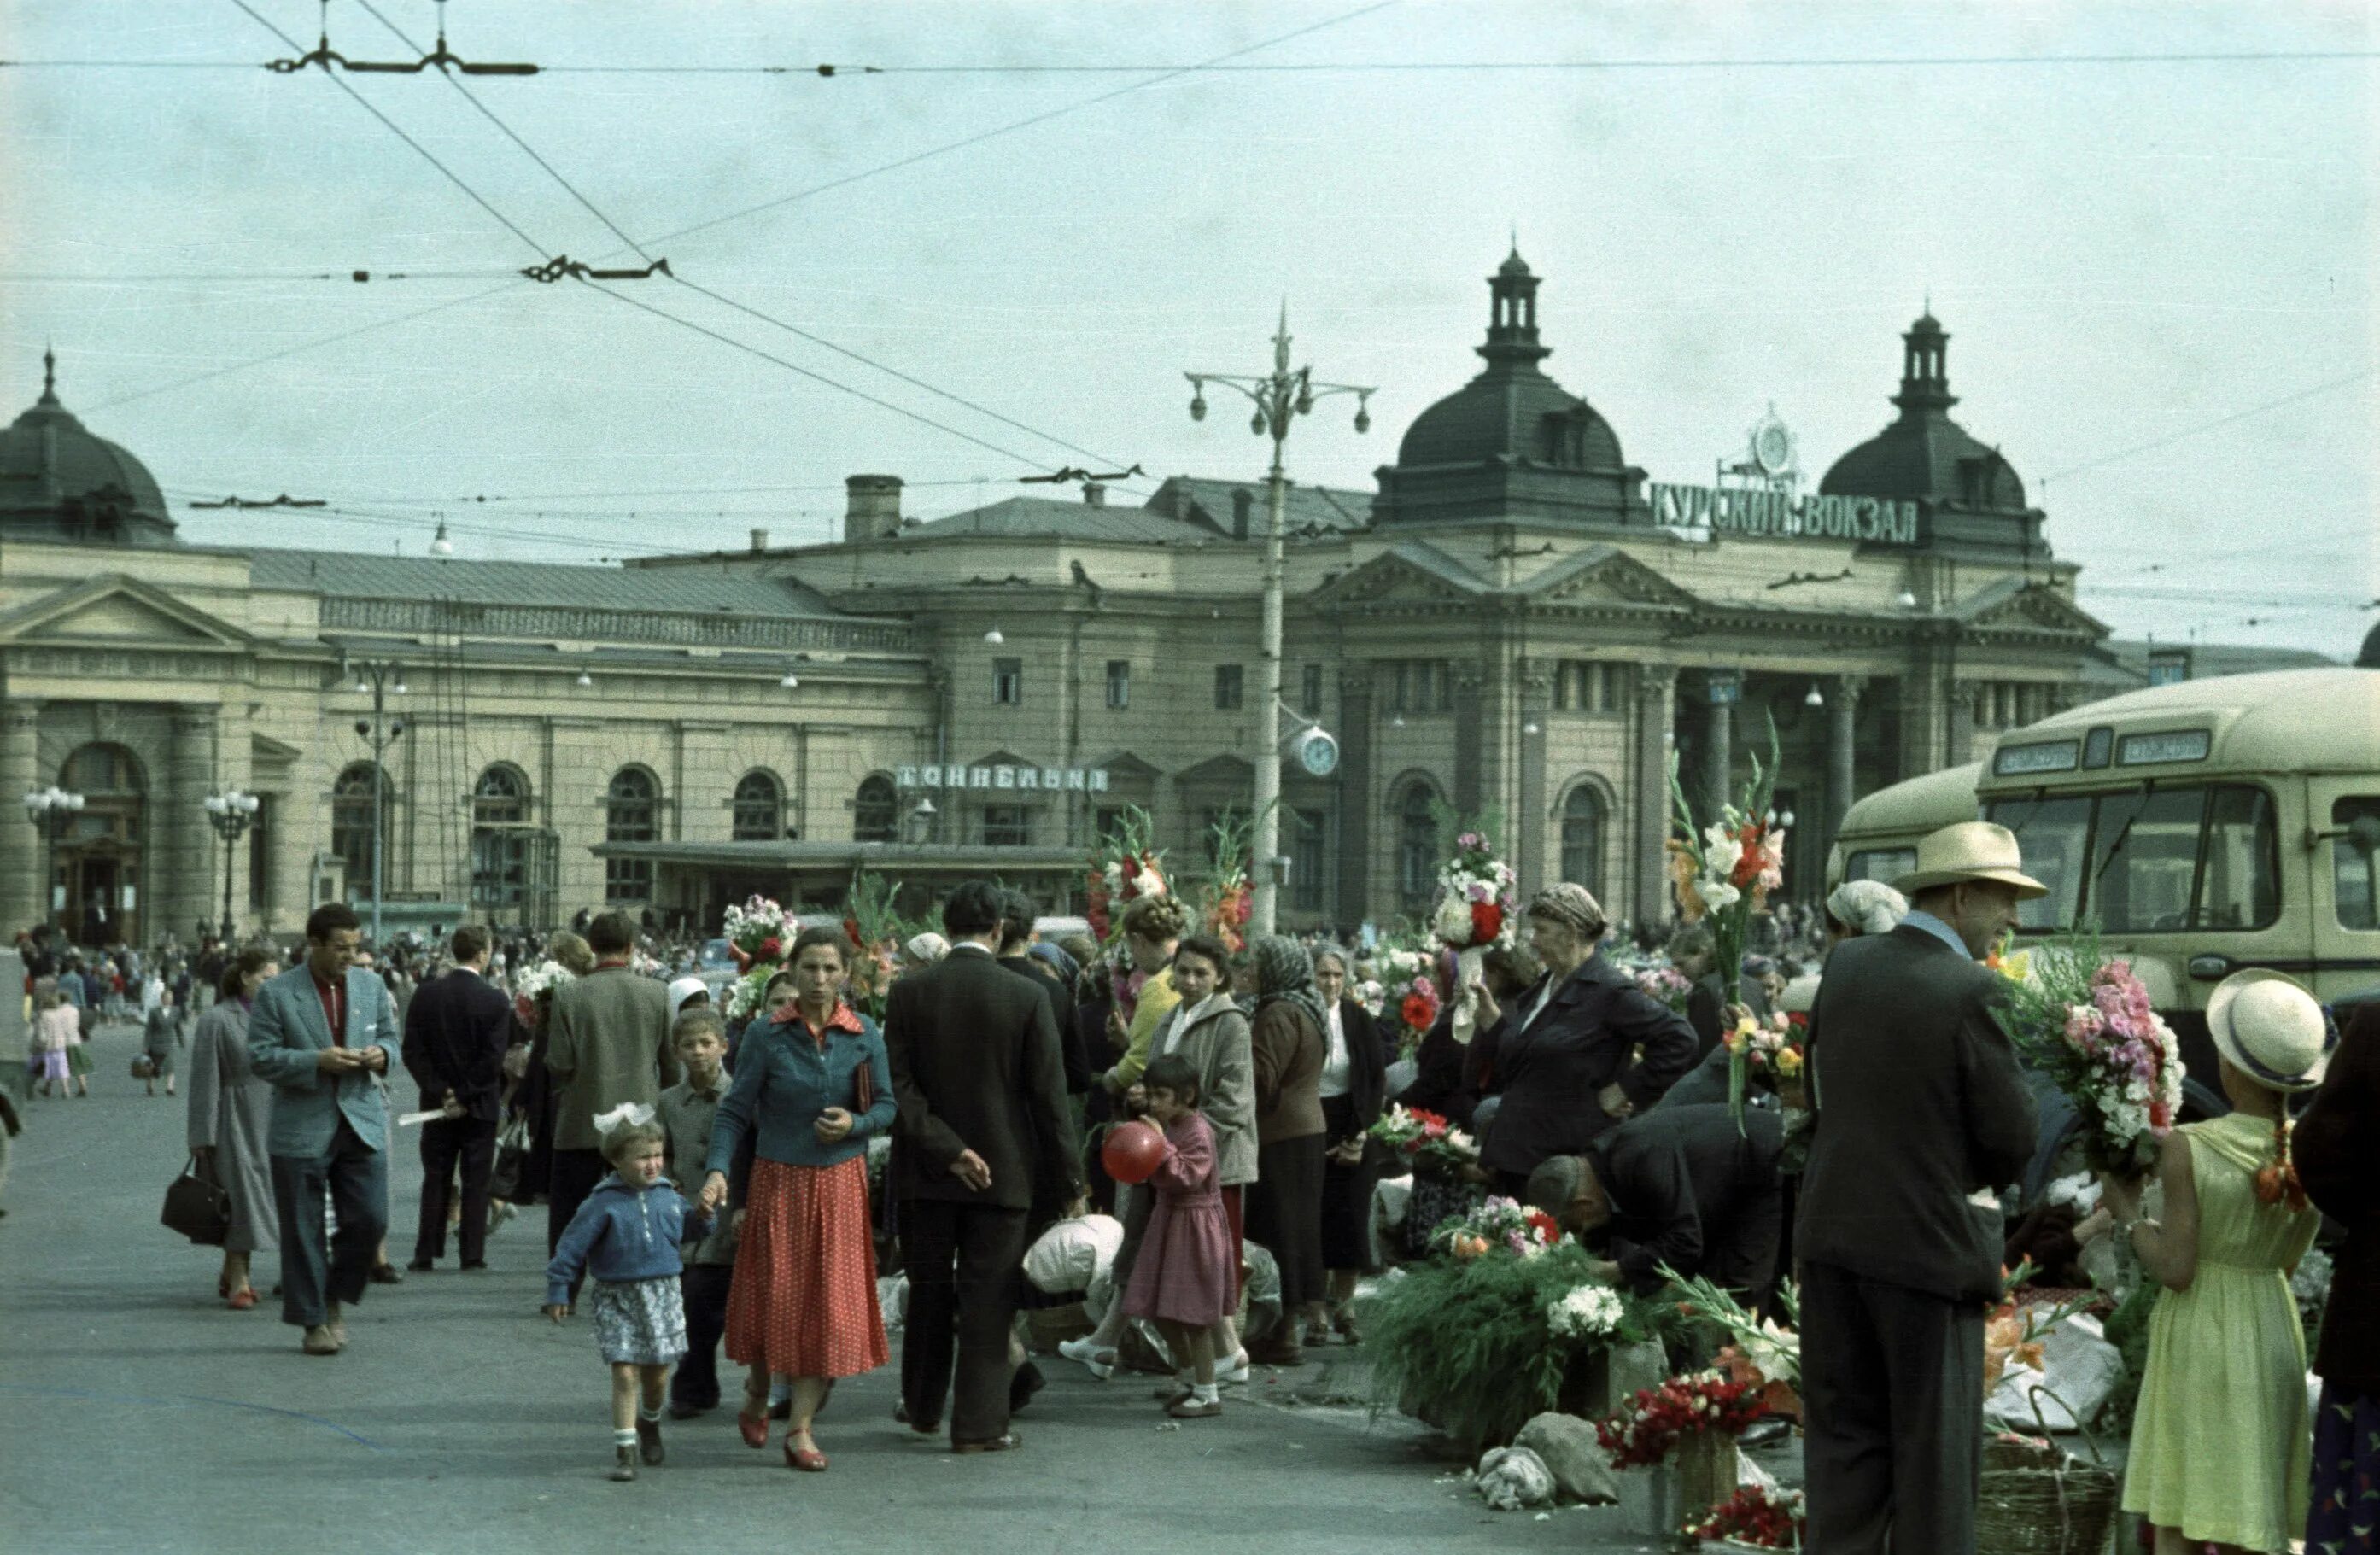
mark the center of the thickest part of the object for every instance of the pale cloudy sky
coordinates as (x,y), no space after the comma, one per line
(2124,253)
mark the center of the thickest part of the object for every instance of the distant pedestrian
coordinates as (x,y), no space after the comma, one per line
(456,1038)
(55,1033)
(323,1034)
(609,1047)
(626,1233)
(161,1034)
(231,1116)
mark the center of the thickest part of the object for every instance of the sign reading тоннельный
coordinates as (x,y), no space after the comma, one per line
(1773,513)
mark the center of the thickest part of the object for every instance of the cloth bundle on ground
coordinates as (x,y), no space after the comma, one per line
(1072,1254)
(1514,1478)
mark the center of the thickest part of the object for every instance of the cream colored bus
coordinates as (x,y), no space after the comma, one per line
(2203,827)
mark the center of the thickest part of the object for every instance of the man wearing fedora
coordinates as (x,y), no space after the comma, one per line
(1921,1114)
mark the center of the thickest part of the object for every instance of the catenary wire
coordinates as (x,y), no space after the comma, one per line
(2171,438)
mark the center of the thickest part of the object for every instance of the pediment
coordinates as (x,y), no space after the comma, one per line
(2032,608)
(1123,765)
(114,608)
(1607,575)
(1412,574)
(1231,772)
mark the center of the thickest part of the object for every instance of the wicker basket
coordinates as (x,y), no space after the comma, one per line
(2043,1500)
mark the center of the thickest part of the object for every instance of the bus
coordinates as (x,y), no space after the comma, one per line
(2203,828)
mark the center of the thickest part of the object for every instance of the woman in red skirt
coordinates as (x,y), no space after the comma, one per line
(811,1087)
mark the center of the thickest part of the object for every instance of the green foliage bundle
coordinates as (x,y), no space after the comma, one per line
(1470,1341)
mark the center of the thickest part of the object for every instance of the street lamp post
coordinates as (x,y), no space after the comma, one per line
(380,678)
(1279,397)
(231,813)
(51,810)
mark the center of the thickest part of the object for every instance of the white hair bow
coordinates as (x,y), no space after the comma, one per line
(628,1114)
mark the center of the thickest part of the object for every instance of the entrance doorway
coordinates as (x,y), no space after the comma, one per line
(96,877)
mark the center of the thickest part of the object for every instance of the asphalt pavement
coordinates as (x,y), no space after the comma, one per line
(137,1412)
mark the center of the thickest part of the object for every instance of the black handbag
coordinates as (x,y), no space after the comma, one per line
(198,1206)
(512,1153)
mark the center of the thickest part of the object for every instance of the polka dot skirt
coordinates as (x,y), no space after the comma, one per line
(804,1297)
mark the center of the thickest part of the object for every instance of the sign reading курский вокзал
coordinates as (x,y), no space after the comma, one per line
(1774,514)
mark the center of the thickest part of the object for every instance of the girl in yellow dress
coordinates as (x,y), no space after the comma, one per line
(2221,1441)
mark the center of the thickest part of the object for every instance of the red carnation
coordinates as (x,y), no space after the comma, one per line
(1487,922)
(1418,1011)
(2160,1115)
(772,948)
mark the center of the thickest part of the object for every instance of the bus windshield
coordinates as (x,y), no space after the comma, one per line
(2149,860)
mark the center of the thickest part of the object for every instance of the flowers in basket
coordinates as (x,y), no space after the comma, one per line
(1756,1517)
(1762,1352)
(1124,867)
(1649,1428)
(1724,871)
(1498,1225)
(1664,984)
(1426,1141)
(1587,1311)
(2087,1022)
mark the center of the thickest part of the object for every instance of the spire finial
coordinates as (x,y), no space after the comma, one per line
(49,375)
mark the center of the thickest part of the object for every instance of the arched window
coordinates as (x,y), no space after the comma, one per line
(874,817)
(1417,857)
(1582,838)
(355,829)
(760,808)
(499,837)
(632,810)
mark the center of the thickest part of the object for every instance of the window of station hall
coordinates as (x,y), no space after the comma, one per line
(1007,826)
(1119,683)
(1008,682)
(632,814)
(1582,838)
(758,812)
(1584,686)
(1229,683)
(1417,848)
(499,837)
(354,827)
(875,814)
(1420,685)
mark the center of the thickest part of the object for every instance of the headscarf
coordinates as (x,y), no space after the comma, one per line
(1572,906)
(1285,972)
(1870,906)
(1057,960)
(683,990)
(926,949)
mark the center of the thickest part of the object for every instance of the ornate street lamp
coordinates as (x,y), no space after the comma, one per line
(1279,397)
(52,810)
(382,678)
(231,813)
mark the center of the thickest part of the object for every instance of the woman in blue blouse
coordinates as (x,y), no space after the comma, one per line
(810,1089)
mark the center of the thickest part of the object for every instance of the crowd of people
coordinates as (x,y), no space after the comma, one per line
(742,1184)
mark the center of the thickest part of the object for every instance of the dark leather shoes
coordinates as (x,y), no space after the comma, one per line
(1006,1442)
(418,1266)
(386,1274)
(681,1410)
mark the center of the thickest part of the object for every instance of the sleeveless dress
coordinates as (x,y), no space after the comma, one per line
(2221,1445)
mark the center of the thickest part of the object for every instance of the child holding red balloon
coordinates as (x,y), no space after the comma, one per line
(1187,1275)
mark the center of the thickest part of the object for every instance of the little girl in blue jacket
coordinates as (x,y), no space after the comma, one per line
(627,1237)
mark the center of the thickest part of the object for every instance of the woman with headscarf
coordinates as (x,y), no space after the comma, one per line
(1563,1055)
(1284,1204)
(1352,1086)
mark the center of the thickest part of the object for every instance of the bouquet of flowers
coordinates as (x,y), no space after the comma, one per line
(1649,1428)
(1227,899)
(875,931)
(1476,909)
(1416,1012)
(1426,1141)
(1764,1353)
(1587,1311)
(1724,871)
(1664,984)
(1504,1224)
(1774,1051)
(1757,1516)
(758,931)
(1124,868)
(533,984)
(2087,1024)
(1372,996)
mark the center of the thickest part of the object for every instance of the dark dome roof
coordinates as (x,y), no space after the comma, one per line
(50,465)
(1511,411)
(1925,455)
(2370,658)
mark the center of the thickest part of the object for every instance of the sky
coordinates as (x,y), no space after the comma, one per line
(2157,273)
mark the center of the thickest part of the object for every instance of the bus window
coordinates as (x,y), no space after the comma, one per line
(2351,861)
(1886,864)
(2144,856)
(2051,833)
(2242,887)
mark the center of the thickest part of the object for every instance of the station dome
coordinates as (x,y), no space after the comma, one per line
(60,481)
(1925,455)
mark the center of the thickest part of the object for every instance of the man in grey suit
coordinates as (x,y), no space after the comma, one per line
(1921,1114)
(322,1033)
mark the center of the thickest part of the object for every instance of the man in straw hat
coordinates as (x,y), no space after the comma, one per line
(1921,1112)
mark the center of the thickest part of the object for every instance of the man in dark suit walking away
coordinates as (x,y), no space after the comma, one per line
(981,1093)
(1921,1115)
(456,1034)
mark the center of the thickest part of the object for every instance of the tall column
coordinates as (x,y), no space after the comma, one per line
(1357,800)
(1842,750)
(1536,701)
(1720,689)
(24,882)
(1472,728)
(180,881)
(1959,733)
(1657,712)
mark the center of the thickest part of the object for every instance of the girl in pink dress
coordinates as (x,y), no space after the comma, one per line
(1187,1273)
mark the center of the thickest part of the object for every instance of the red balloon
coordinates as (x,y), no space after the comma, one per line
(1132,1151)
